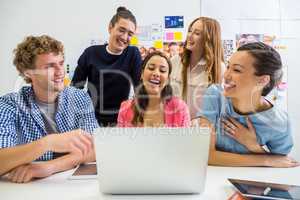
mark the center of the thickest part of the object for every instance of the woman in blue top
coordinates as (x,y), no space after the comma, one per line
(244,123)
(110,68)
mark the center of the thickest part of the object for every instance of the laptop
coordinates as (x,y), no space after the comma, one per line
(152,160)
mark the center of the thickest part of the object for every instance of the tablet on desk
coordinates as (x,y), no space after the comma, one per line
(264,190)
(85,171)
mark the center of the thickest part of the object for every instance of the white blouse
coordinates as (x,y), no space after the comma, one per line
(197,83)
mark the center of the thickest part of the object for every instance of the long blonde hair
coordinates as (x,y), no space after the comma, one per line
(212,52)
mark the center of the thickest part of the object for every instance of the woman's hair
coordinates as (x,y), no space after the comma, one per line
(123,13)
(27,51)
(267,62)
(141,96)
(212,52)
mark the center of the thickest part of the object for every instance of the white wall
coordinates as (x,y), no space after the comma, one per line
(69,21)
(291,31)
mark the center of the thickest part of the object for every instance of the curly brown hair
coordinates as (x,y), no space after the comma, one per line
(32,46)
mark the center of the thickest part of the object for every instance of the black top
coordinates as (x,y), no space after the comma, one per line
(109,77)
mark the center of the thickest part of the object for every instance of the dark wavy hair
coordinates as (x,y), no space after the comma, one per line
(267,62)
(141,99)
(123,13)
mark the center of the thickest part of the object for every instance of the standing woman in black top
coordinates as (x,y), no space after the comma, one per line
(110,68)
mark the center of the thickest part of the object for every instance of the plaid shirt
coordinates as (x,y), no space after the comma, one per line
(21,120)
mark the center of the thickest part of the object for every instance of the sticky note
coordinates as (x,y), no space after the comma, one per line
(158,44)
(178,36)
(134,40)
(169,36)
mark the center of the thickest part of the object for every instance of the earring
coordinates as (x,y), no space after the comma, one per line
(26,74)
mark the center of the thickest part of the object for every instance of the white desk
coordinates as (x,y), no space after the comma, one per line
(217,186)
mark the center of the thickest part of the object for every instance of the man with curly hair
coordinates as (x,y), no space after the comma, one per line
(45,121)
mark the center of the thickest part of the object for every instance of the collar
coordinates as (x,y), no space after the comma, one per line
(202,62)
(36,113)
(112,53)
(199,67)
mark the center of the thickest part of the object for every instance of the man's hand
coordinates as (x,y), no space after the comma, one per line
(26,173)
(73,141)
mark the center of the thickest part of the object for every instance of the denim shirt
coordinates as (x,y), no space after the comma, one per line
(272,126)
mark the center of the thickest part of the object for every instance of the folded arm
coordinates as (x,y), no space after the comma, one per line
(27,172)
(12,157)
(73,141)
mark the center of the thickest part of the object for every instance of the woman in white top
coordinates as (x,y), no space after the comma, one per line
(201,63)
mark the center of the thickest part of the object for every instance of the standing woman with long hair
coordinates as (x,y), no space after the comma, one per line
(154,104)
(110,68)
(201,63)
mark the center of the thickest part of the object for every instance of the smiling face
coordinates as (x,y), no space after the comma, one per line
(48,75)
(240,80)
(120,35)
(155,75)
(194,37)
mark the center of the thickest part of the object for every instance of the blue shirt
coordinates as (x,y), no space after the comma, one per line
(272,126)
(21,120)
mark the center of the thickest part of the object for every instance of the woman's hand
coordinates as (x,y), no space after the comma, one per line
(281,161)
(244,135)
